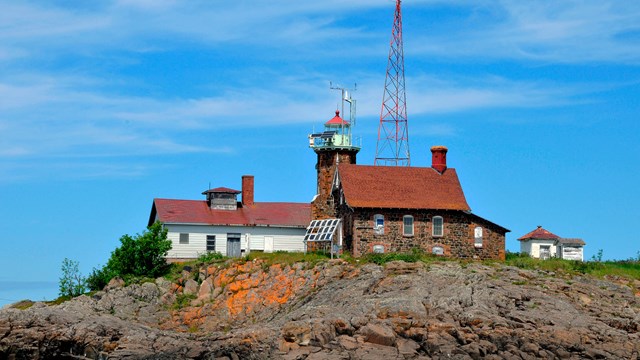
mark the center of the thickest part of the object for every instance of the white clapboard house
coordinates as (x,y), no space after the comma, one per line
(543,244)
(222,224)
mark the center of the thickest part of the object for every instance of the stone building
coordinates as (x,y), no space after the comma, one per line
(397,209)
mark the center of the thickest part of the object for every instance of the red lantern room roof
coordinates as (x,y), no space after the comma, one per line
(337,120)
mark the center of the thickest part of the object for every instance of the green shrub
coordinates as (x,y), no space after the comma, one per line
(142,255)
(99,278)
(139,256)
(210,257)
(381,259)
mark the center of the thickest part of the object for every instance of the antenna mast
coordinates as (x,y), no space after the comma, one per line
(393,135)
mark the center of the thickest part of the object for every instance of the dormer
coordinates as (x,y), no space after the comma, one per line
(222,198)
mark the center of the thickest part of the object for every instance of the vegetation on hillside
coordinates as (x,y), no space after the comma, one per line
(621,268)
(142,255)
(629,268)
(139,256)
(72,283)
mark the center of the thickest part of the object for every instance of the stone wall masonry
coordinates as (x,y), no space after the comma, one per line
(457,241)
(323,206)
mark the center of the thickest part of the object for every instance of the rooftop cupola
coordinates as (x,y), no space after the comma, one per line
(222,198)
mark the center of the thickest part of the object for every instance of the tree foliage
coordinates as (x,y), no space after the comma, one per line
(72,283)
(141,255)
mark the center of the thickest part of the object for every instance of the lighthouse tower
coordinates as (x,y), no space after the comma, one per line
(334,145)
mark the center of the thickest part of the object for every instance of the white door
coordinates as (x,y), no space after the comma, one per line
(268,244)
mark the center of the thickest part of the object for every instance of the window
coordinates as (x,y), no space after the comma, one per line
(378,224)
(184,238)
(438,226)
(211,243)
(477,234)
(437,250)
(407,228)
(378,249)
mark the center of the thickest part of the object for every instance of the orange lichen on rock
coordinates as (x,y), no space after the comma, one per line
(244,291)
(191,315)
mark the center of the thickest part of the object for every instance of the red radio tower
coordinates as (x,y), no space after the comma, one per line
(393,135)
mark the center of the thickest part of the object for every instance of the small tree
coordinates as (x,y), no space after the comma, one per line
(72,283)
(139,255)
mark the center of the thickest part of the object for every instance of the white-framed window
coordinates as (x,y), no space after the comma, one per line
(378,249)
(378,224)
(184,238)
(407,225)
(477,234)
(438,226)
(211,243)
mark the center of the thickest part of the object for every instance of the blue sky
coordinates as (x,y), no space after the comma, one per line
(105,105)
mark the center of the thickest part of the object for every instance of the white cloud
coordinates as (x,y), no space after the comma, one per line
(63,95)
(544,31)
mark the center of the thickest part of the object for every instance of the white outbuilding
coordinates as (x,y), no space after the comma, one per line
(222,224)
(543,244)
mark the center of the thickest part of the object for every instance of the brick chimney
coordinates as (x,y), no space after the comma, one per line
(247,190)
(439,158)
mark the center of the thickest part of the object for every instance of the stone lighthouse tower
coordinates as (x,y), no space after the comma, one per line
(334,145)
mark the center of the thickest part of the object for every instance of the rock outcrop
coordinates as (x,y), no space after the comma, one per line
(337,310)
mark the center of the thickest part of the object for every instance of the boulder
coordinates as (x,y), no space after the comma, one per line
(190,287)
(378,334)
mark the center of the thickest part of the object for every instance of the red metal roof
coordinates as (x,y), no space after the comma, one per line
(259,214)
(337,120)
(541,234)
(401,187)
(221,190)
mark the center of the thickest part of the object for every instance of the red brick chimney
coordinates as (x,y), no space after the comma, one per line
(439,158)
(247,190)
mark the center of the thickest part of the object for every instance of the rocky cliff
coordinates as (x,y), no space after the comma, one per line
(337,310)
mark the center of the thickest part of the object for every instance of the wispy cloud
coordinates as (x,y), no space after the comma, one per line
(69,88)
(547,31)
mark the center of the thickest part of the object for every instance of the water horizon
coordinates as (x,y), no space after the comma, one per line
(13,291)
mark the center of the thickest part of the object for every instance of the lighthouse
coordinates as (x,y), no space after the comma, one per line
(333,146)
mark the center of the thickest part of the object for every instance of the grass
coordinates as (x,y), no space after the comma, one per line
(23,305)
(629,269)
(209,258)
(288,258)
(416,255)
(58,301)
(182,301)
(624,268)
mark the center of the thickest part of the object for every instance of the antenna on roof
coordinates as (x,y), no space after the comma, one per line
(346,97)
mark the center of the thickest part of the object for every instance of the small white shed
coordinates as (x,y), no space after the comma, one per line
(543,244)
(570,249)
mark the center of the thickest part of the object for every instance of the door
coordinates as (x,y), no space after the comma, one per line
(268,244)
(233,245)
(545,252)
